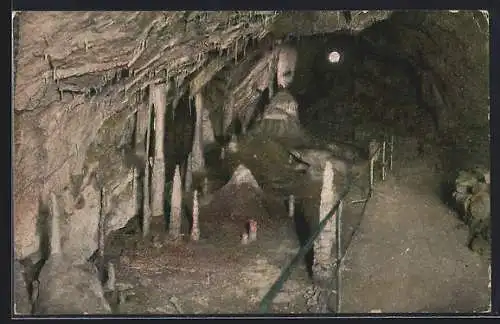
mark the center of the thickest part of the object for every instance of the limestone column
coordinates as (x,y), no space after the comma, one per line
(158,98)
(146,201)
(198,160)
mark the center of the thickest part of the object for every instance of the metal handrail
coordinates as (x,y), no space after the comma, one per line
(278,284)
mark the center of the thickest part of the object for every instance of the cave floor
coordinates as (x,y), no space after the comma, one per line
(215,275)
(409,253)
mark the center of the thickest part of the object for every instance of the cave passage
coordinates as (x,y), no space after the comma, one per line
(257,106)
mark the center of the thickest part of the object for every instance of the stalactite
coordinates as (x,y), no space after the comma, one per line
(158,100)
(141,127)
(227,115)
(324,243)
(175,205)
(285,70)
(195,229)
(207,128)
(198,160)
(272,74)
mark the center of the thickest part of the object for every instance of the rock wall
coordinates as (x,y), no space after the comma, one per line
(67,87)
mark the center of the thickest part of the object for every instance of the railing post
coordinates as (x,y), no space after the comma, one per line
(373,151)
(383,161)
(339,254)
(391,147)
(372,161)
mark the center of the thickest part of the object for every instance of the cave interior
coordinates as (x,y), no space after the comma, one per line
(418,78)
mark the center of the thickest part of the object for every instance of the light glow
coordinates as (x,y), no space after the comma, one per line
(334,57)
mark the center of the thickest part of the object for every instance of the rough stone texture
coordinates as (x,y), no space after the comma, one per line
(473,202)
(121,204)
(22,304)
(81,239)
(28,183)
(68,289)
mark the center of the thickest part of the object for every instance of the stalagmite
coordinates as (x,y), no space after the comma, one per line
(198,160)
(372,149)
(324,243)
(55,238)
(291,206)
(233,144)
(146,200)
(205,186)
(157,98)
(252,230)
(136,189)
(195,229)
(111,282)
(175,205)
(244,238)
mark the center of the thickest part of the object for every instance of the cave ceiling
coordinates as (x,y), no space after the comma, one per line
(93,53)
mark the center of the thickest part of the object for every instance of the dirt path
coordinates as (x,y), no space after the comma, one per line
(409,254)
